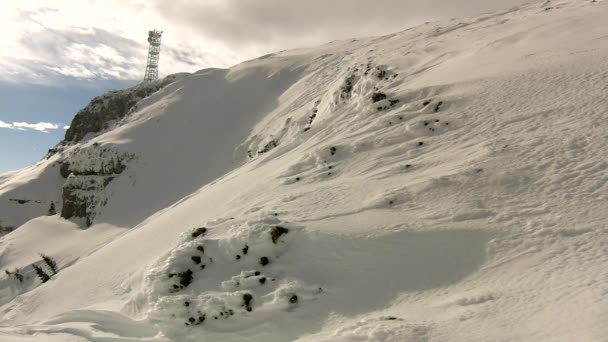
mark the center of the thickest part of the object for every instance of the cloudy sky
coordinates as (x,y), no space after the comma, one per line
(56,55)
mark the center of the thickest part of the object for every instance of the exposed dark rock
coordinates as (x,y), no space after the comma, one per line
(293,299)
(196,259)
(347,88)
(269,146)
(111,106)
(438,106)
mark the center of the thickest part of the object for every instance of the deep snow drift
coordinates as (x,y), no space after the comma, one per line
(445,183)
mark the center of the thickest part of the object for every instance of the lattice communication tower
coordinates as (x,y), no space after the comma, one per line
(154,38)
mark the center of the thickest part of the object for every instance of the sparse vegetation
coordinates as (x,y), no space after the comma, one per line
(199,232)
(50,263)
(44,277)
(52,211)
(16,273)
(276,233)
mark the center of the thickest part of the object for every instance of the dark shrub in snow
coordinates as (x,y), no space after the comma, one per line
(50,263)
(15,274)
(41,274)
(247,299)
(185,278)
(379,96)
(199,231)
(52,211)
(276,233)
(438,106)
(264,261)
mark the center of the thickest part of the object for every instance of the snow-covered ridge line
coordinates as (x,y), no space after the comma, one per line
(444,183)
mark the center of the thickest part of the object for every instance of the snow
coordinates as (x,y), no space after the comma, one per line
(473,209)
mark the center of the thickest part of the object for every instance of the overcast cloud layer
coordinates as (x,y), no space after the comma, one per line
(54,42)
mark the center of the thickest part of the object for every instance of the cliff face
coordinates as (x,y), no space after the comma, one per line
(76,172)
(88,172)
(114,105)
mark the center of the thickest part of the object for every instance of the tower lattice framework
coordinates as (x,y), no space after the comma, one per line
(154,38)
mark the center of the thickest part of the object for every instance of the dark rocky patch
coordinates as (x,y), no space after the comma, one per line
(111,106)
(346,88)
(247,299)
(438,106)
(196,259)
(378,96)
(269,146)
(185,278)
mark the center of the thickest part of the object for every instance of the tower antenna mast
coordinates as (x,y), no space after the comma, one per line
(154,38)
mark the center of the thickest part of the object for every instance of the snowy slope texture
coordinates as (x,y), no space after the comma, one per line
(444,183)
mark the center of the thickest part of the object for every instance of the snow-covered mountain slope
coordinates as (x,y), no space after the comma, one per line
(445,183)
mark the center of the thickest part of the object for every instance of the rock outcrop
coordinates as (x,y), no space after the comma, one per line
(109,107)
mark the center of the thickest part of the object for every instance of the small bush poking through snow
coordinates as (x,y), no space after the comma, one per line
(44,277)
(379,96)
(264,261)
(50,263)
(52,211)
(185,278)
(276,233)
(247,299)
(15,274)
(199,232)
(438,106)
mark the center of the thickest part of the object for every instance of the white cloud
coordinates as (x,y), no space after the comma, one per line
(23,126)
(66,127)
(79,39)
